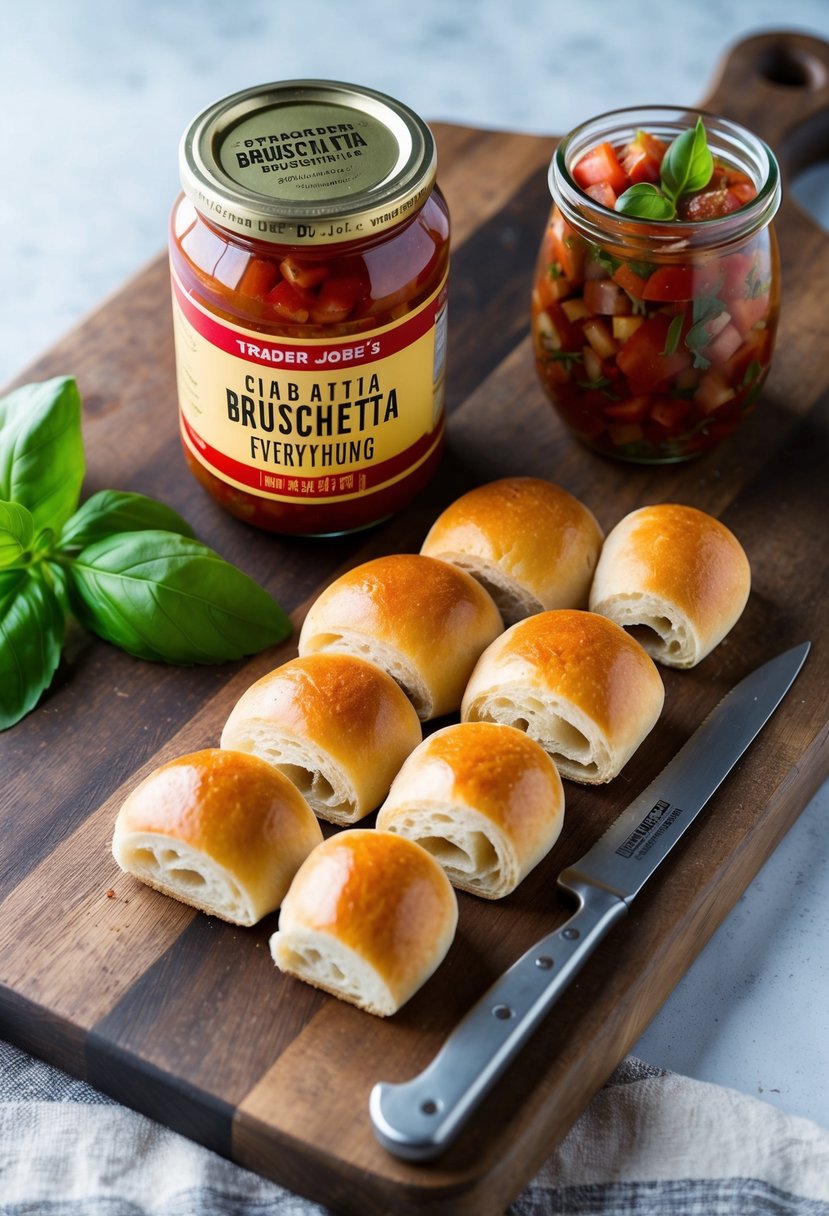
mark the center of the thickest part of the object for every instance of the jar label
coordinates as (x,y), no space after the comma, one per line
(310,420)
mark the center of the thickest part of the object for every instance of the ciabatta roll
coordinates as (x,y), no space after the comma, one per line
(676,578)
(485,800)
(219,830)
(576,683)
(532,545)
(421,620)
(368,918)
(338,726)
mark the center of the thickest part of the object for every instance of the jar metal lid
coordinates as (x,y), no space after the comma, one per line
(310,162)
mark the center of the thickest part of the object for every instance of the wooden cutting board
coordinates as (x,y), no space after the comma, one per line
(185,1018)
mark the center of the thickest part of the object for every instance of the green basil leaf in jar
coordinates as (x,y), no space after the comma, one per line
(688,163)
(645,202)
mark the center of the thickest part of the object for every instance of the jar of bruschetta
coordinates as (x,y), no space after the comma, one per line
(309,254)
(657,288)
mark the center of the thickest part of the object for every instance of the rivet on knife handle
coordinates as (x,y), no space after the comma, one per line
(417,1119)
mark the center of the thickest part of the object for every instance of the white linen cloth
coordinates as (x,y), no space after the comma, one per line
(650,1144)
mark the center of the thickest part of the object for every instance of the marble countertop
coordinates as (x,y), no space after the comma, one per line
(93,99)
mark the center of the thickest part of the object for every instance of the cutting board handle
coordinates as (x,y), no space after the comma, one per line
(777,85)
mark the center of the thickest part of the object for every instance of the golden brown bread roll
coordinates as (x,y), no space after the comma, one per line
(530,543)
(219,830)
(576,683)
(485,800)
(421,620)
(677,578)
(338,726)
(368,918)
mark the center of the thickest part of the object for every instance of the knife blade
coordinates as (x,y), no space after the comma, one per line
(418,1119)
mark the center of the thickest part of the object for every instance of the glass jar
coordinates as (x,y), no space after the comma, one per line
(652,338)
(309,257)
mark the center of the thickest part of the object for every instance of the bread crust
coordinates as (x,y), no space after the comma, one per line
(219,830)
(484,799)
(676,576)
(577,683)
(529,542)
(422,620)
(337,725)
(368,918)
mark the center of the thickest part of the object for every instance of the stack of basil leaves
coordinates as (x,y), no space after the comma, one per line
(126,567)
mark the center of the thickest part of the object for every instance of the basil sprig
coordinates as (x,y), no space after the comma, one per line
(686,166)
(126,567)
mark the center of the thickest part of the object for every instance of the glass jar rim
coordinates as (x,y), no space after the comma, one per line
(726,138)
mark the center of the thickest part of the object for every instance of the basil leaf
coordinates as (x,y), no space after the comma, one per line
(645,202)
(31,638)
(169,598)
(672,336)
(704,308)
(112,511)
(41,450)
(688,163)
(17,532)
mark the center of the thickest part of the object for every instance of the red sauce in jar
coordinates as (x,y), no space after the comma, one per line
(309,256)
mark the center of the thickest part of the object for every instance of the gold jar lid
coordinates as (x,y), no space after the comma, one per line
(310,162)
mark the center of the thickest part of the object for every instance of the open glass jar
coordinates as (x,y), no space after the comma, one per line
(652,338)
(309,254)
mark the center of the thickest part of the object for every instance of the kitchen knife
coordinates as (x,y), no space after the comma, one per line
(418,1119)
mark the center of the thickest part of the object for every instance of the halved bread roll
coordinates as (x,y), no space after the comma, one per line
(368,918)
(576,683)
(676,578)
(335,724)
(485,800)
(219,830)
(419,619)
(529,542)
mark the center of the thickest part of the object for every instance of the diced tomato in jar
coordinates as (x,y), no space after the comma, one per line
(642,158)
(644,355)
(601,165)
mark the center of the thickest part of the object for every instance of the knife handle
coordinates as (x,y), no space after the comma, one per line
(417,1119)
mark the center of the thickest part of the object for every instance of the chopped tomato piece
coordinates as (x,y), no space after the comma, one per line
(641,357)
(633,283)
(567,248)
(622,433)
(290,303)
(745,313)
(669,413)
(714,391)
(635,409)
(257,278)
(736,268)
(337,297)
(744,192)
(642,158)
(601,164)
(303,274)
(670,283)
(602,193)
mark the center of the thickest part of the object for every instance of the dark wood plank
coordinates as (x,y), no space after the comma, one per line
(186,1018)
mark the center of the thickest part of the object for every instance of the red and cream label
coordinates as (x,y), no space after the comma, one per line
(310,420)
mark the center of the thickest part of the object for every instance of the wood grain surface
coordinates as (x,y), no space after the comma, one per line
(185,1018)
